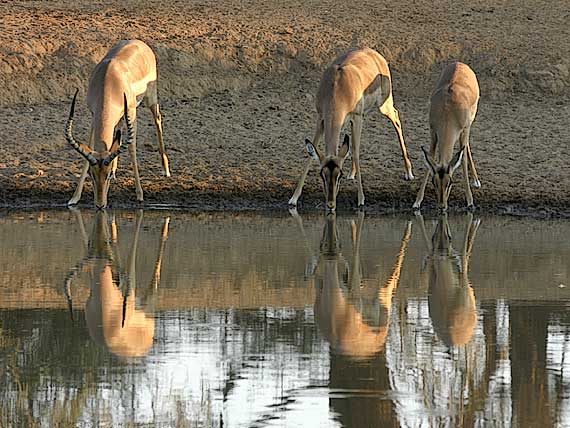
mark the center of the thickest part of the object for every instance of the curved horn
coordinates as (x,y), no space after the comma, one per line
(130,129)
(115,152)
(69,135)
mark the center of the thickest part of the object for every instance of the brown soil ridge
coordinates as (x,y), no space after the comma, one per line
(237,81)
(49,48)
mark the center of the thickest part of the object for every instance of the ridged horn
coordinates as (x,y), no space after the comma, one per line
(69,134)
(116,152)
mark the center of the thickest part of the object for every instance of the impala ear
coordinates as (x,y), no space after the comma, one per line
(456,160)
(313,152)
(428,161)
(344,148)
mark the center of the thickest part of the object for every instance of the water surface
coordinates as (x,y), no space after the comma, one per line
(171,319)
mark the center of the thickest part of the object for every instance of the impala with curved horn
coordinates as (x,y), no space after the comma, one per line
(453,107)
(124,78)
(355,84)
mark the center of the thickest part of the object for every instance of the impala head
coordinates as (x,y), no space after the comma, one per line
(441,239)
(442,176)
(330,243)
(331,170)
(100,163)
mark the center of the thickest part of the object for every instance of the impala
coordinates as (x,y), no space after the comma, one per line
(453,106)
(445,274)
(113,318)
(352,313)
(124,78)
(358,82)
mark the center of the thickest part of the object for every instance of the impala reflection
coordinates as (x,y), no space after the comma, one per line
(445,274)
(116,320)
(352,313)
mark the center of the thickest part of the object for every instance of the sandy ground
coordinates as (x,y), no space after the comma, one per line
(237,81)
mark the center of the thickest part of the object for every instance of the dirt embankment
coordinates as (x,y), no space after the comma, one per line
(237,79)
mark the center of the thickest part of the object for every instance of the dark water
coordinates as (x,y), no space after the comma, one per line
(176,320)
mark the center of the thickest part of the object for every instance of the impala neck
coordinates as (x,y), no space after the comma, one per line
(332,136)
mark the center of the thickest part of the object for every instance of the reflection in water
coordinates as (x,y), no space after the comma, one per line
(445,273)
(351,314)
(440,383)
(113,319)
(380,331)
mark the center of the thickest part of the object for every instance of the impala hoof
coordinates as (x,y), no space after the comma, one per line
(292,202)
(471,208)
(476,184)
(409,176)
(416,207)
(72,202)
(293,211)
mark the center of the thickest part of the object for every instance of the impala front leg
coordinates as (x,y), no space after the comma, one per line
(79,189)
(421,192)
(299,189)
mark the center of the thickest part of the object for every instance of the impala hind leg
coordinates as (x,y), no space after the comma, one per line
(353,163)
(299,189)
(151,100)
(476,183)
(388,110)
(464,138)
(79,189)
(155,109)
(421,192)
(133,152)
(356,134)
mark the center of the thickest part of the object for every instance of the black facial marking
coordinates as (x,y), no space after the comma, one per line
(331,165)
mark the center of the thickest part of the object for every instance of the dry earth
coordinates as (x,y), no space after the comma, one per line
(237,82)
